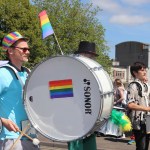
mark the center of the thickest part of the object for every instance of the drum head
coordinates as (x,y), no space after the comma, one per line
(62,98)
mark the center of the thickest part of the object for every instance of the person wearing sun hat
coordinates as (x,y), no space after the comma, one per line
(12,79)
(86,49)
(11,38)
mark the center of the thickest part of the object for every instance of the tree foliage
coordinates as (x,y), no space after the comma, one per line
(71,20)
(20,15)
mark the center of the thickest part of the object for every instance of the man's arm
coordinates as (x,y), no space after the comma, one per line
(134,106)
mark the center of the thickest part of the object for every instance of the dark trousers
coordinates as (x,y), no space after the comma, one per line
(141,138)
(89,143)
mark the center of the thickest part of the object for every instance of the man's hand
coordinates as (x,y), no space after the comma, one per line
(11,126)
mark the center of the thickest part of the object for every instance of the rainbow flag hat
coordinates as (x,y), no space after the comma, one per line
(11,38)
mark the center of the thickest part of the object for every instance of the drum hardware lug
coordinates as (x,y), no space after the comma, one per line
(106,93)
(31,98)
(96,68)
(106,118)
(102,119)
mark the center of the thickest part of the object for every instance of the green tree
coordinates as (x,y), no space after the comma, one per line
(71,20)
(20,15)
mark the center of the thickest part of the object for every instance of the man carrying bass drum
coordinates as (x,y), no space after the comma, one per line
(86,49)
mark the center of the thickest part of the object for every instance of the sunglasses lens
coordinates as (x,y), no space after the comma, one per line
(25,49)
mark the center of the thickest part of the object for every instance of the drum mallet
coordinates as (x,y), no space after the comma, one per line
(34,140)
(20,136)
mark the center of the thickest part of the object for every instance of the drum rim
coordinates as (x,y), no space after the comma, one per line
(29,113)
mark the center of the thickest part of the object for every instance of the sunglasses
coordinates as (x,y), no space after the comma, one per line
(24,49)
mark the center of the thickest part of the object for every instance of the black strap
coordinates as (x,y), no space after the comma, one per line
(26,69)
(139,87)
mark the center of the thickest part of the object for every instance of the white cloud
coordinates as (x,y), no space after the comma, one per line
(136,2)
(107,5)
(129,19)
(127,14)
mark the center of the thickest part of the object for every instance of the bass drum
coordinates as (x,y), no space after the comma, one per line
(68,97)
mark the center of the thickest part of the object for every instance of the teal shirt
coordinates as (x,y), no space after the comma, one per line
(11,100)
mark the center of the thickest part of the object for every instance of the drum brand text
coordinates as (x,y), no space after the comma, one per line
(87,97)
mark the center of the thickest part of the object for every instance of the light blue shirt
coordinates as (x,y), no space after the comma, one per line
(11,100)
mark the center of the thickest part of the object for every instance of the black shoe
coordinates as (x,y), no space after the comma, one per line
(98,134)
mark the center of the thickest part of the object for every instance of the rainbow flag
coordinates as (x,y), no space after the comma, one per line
(45,24)
(61,88)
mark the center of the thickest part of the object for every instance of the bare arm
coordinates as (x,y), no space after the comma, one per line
(134,106)
(121,91)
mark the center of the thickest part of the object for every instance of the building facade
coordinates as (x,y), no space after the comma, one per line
(126,54)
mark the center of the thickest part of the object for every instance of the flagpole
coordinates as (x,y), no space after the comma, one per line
(47,27)
(58,44)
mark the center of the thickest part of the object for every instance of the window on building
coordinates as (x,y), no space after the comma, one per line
(119,74)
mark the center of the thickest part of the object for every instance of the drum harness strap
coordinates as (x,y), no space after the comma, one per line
(18,78)
(16,72)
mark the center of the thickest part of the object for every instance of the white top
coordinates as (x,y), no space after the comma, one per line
(3,62)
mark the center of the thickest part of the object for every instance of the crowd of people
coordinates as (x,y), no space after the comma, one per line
(134,100)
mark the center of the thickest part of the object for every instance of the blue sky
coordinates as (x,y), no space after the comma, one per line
(124,20)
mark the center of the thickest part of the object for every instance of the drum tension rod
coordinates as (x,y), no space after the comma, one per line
(106,93)
(96,68)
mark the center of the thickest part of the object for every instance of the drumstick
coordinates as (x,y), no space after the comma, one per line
(20,136)
(26,135)
(34,140)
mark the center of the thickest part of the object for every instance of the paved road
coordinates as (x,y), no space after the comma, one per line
(103,143)
(51,148)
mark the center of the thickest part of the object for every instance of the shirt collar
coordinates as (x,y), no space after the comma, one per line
(10,63)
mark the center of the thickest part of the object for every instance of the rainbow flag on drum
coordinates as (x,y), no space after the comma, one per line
(61,88)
